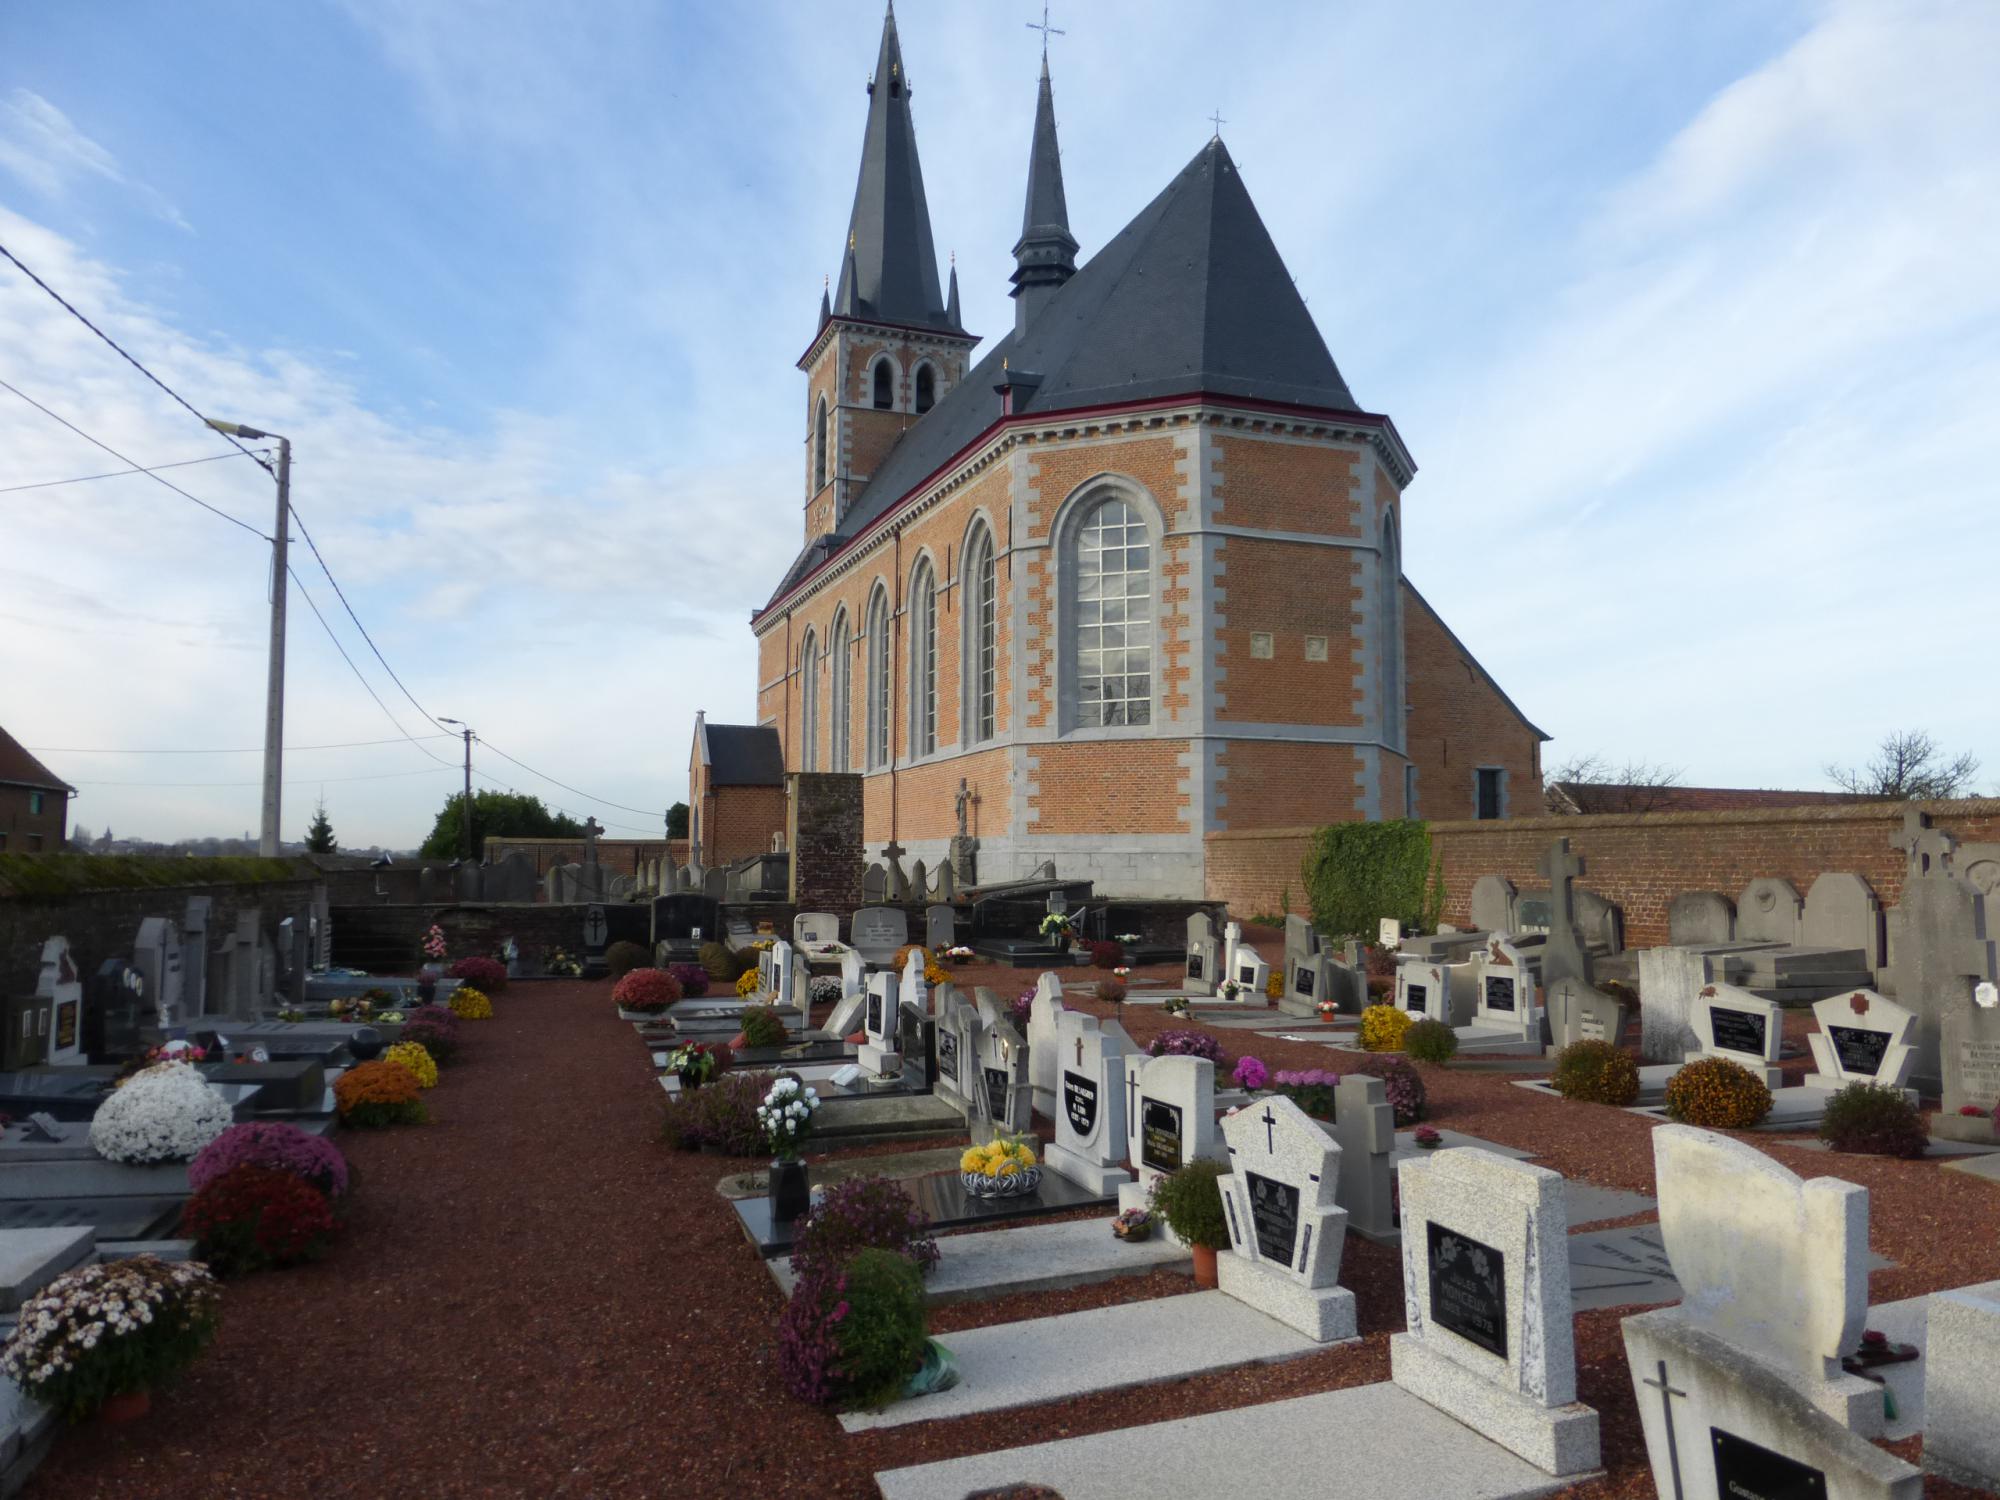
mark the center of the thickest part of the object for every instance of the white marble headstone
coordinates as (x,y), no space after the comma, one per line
(1745,1028)
(1169,1114)
(1044,1025)
(60,983)
(1863,1037)
(1090,1103)
(1286,1229)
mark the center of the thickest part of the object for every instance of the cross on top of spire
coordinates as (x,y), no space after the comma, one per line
(1045,28)
(1219,122)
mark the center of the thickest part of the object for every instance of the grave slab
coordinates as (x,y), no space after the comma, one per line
(1033,1258)
(944,1201)
(1106,1349)
(1986,1166)
(1301,1449)
(31,1258)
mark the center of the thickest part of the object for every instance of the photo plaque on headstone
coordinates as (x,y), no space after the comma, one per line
(874,1027)
(1468,1288)
(1749,1471)
(947,1056)
(1499,991)
(996,1093)
(1194,966)
(1274,1218)
(1303,979)
(1737,1030)
(1160,1136)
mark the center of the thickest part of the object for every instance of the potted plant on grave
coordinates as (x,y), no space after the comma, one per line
(1058,929)
(694,1063)
(1004,1167)
(1229,990)
(1190,1200)
(102,1338)
(786,1117)
(431,970)
(558,964)
(1327,1010)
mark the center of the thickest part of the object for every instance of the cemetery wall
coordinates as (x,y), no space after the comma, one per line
(1458,721)
(619,856)
(824,836)
(386,938)
(352,887)
(1637,861)
(102,924)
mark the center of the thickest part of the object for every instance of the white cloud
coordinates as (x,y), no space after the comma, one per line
(41,146)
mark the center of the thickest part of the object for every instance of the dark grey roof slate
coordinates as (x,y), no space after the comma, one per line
(1192,295)
(744,755)
(889,269)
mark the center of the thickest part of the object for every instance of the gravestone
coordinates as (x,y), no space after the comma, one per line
(194,954)
(1699,917)
(511,878)
(1423,989)
(1842,912)
(715,884)
(940,930)
(432,884)
(1945,940)
(846,1016)
(115,1010)
(1169,1119)
(1301,942)
(468,882)
(596,936)
(913,989)
(1314,977)
(1204,955)
(874,885)
(1286,1231)
(958,1033)
(816,929)
(1563,957)
(878,1055)
(878,931)
(1090,1104)
(1364,1127)
(1486,1302)
(1745,1028)
(1740,1386)
(1251,971)
(1961,1400)
(1772,910)
(156,953)
(1862,1038)
(61,985)
(919,882)
(684,921)
(1005,1100)
(1492,903)
(947,881)
(892,861)
(1507,1011)
(1044,1028)
(1579,1012)
(1969,1046)
(916,1044)
(786,991)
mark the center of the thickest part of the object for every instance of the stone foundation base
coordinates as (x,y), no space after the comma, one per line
(1558,1440)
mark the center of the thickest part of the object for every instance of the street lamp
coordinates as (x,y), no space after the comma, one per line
(465,820)
(274,685)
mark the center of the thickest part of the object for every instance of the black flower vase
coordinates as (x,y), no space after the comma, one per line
(791,1190)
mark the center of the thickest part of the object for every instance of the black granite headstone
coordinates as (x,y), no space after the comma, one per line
(1468,1288)
(1080,1102)
(1749,1471)
(947,1056)
(1859,1051)
(1160,1135)
(1499,991)
(1737,1030)
(114,1011)
(1274,1216)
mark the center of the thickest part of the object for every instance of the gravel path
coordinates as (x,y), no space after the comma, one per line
(535,1298)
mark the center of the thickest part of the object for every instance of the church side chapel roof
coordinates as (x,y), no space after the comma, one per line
(1190,297)
(18,767)
(744,755)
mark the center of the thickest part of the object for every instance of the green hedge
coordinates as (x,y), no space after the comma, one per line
(33,875)
(1358,873)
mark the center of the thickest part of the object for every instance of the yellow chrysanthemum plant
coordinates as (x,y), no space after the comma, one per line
(1004,1160)
(746,984)
(1383,1028)
(469,1004)
(417,1058)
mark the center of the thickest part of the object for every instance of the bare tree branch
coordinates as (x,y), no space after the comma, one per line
(1908,766)
(1592,784)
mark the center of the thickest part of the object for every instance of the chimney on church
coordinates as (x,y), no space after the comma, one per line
(1045,256)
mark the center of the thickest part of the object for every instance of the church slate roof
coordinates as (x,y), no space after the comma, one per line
(744,755)
(1191,296)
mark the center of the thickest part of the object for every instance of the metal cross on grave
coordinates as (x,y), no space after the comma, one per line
(1667,1394)
(1079,1052)
(1269,1123)
(1131,1093)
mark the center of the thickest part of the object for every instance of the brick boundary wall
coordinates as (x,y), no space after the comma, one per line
(824,834)
(1639,861)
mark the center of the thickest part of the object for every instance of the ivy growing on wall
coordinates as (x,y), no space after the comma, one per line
(1358,873)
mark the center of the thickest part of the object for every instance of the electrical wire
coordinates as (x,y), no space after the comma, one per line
(306,781)
(70,308)
(45,484)
(137,467)
(305,594)
(627,827)
(600,801)
(243,750)
(342,596)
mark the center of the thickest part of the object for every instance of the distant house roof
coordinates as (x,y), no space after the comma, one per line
(1189,298)
(743,755)
(1614,797)
(19,768)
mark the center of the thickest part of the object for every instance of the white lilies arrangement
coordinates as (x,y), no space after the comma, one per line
(166,1112)
(786,1115)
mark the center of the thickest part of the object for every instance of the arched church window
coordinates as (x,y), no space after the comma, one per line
(878,680)
(980,653)
(923,660)
(809,704)
(1113,637)
(885,385)
(842,675)
(926,388)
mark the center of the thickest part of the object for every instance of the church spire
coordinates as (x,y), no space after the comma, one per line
(1045,256)
(890,272)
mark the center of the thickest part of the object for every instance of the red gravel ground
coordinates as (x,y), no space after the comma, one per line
(535,1298)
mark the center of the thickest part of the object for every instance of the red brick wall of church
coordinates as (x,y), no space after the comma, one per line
(1458,721)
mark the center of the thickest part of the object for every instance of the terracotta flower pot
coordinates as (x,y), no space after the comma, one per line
(1205,1274)
(126,1406)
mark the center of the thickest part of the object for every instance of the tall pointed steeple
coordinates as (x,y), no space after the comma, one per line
(1045,256)
(891,269)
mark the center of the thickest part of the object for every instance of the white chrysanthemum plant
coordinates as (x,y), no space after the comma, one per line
(164,1113)
(786,1117)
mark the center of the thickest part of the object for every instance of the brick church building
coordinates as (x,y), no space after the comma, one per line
(1134,576)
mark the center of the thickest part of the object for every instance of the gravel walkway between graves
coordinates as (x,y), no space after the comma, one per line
(536,1298)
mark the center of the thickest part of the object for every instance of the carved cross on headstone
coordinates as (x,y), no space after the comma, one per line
(1667,1394)
(1079,1052)
(1131,1093)
(1269,1122)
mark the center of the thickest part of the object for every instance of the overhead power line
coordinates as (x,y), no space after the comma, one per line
(342,596)
(314,606)
(244,750)
(181,463)
(70,308)
(303,781)
(600,801)
(137,466)
(566,812)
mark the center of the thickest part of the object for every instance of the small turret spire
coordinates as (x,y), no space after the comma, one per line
(1045,255)
(951,298)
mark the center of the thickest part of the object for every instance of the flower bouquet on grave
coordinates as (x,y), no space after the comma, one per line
(1230,990)
(1326,1010)
(558,964)
(290,1013)
(786,1116)
(1176,1005)
(694,1063)
(1427,1137)
(1056,928)
(1128,938)
(186,1052)
(959,955)
(1121,971)
(392,1017)
(350,1007)
(1004,1167)
(1133,1225)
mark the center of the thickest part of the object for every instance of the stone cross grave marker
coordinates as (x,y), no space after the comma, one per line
(1044,1027)
(1090,1104)
(61,985)
(1486,1300)
(1563,957)
(1945,940)
(1745,1028)
(1862,1038)
(1204,955)
(1286,1231)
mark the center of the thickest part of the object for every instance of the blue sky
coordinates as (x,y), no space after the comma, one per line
(1687,314)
